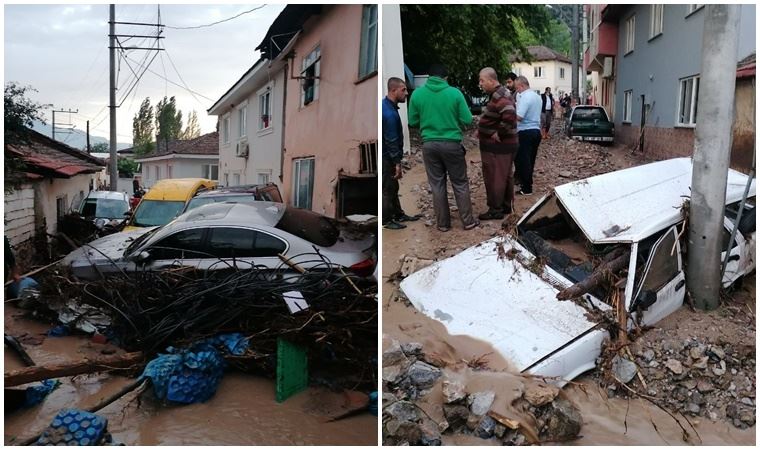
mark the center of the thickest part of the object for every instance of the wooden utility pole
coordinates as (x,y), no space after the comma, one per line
(712,153)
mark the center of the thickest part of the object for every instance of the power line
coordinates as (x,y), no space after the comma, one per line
(181,79)
(173,83)
(217,22)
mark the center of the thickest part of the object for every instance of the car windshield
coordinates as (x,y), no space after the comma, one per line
(308,225)
(105,208)
(590,114)
(153,213)
(234,198)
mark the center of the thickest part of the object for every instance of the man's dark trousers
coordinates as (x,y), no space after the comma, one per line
(391,204)
(526,157)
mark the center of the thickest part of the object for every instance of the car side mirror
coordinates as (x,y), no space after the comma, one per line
(142,257)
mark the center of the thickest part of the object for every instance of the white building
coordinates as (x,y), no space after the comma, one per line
(393,58)
(194,158)
(548,69)
(251,126)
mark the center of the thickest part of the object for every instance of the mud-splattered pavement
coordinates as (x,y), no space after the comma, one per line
(609,417)
(242,412)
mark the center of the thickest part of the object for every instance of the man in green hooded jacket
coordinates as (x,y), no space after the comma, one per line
(441,112)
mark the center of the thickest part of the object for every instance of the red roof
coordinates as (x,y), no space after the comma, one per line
(207,144)
(44,157)
(746,67)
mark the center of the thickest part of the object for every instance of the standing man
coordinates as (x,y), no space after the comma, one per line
(497,132)
(511,77)
(547,109)
(393,152)
(528,133)
(441,112)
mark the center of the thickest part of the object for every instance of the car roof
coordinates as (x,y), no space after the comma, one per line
(232,190)
(112,195)
(177,189)
(632,204)
(227,214)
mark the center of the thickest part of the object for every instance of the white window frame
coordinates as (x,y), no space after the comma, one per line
(694,97)
(691,9)
(627,106)
(656,20)
(236,179)
(630,34)
(169,171)
(561,73)
(265,108)
(226,128)
(262,177)
(314,58)
(157,172)
(538,72)
(368,49)
(207,171)
(242,113)
(297,167)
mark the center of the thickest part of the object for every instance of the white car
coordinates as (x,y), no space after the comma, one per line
(490,291)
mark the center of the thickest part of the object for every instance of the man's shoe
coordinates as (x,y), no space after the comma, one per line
(392,225)
(491,215)
(406,218)
(472,225)
(522,192)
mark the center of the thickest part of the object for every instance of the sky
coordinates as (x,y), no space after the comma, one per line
(62,52)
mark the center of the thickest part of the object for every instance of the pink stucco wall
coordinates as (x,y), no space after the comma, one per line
(345,114)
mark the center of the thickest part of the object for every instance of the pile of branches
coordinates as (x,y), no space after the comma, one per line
(153,310)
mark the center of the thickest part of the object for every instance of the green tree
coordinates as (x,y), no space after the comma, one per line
(100,147)
(193,129)
(557,36)
(19,115)
(467,38)
(168,120)
(127,167)
(142,129)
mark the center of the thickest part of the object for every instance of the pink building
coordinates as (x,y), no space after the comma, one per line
(329,156)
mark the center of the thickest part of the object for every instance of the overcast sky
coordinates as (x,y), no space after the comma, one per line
(62,52)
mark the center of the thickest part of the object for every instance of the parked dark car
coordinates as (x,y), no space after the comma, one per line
(590,123)
(237,194)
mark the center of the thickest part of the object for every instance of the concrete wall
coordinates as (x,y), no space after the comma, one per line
(330,128)
(182,167)
(393,58)
(551,76)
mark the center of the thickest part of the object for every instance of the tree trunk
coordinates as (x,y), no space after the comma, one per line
(38,373)
(596,278)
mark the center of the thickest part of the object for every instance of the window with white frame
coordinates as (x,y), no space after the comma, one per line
(242,120)
(226,129)
(627,106)
(262,178)
(562,73)
(168,171)
(226,179)
(310,69)
(265,110)
(692,8)
(687,101)
(303,182)
(368,49)
(538,72)
(158,172)
(630,34)
(236,179)
(210,171)
(656,16)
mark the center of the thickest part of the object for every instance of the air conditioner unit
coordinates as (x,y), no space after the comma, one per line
(607,72)
(241,149)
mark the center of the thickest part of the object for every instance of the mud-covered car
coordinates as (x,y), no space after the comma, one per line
(268,192)
(590,123)
(222,236)
(505,290)
(105,207)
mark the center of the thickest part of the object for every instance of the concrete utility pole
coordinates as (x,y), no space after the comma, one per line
(576,51)
(712,153)
(88,137)
(113,172)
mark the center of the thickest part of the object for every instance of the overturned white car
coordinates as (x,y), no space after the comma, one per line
(504,290)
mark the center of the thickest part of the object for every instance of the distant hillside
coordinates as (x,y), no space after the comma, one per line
(77,138)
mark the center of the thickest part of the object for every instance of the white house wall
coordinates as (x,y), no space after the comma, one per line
(75,189)
(393,58)
(551,76)
(265,146)
(181,168)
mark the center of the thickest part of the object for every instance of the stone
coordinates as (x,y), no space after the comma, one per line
(485,429)
(648,355)
(713,416)
(747,417)
(716,352)
(747,401)
(394,355)
(689,384)
(564,421)
(388,399)
(453,390)
(697,351)
(705,386)
(697,398)
(732,410)
(701,363)
(412,264)
(429,433)
(719,369)
(412,348)
(480,402)
(499,430)
(540,394)
(675,366)
(393,374)
(516,439)
(456,415)
(402,411)
(406,431)
(623,369)
(423,375)
(565,174)
(692,408)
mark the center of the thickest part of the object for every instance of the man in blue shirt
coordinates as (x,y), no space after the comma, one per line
(528,133)
(393,152)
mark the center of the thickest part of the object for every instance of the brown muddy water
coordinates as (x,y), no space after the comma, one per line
(243,411)
(607,421)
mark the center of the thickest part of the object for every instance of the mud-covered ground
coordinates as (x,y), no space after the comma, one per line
(700,366)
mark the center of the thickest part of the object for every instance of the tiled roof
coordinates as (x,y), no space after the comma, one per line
(746,67)
(541,53)
(46,157)
(207,144)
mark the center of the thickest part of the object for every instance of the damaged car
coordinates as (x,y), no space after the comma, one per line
(221,236)
(544,294)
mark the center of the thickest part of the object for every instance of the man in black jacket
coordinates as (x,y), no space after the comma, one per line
(547,108)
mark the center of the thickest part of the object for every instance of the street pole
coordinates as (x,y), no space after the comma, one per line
(584,41)
(712,153)
(88,137)
(574,77)
(53,125)
(113,173)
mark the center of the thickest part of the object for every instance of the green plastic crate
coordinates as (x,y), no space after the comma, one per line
(292,370)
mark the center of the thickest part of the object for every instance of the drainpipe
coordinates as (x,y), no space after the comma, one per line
(284,107)
(712,153)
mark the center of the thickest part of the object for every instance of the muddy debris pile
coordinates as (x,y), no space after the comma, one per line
(413,385)
(694,377)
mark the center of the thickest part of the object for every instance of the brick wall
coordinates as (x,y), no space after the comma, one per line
(659,143)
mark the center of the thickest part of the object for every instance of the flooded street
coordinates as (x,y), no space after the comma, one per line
(606,420)
(243,411)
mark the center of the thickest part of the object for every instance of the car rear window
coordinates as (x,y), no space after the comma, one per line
(590,114)
(308,225)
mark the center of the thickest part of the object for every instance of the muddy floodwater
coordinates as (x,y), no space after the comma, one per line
(243,411)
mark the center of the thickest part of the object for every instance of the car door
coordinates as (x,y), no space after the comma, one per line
(661,287)
(243,248)
(738,257)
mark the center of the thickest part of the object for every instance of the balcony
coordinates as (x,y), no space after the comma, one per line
(603,40)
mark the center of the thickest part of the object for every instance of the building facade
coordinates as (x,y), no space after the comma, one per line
(194,158)
(548,69)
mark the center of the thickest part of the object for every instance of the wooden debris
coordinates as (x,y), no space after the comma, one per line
(39,373)
(597,278)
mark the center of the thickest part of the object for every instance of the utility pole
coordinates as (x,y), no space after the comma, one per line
(576,51)
(584,41)
(113,172)
(712,153)
(88,138)
(67,124)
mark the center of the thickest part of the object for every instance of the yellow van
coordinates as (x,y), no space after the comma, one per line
(165,201)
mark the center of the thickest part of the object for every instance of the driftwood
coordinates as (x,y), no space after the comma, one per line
(11,342)
(35,271)
(596,278)
(39,373)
